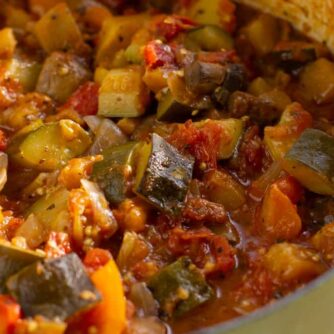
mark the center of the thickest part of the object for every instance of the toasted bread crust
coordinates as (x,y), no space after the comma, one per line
(315,18)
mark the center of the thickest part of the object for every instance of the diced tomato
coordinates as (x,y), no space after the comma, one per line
(210,252)
(202,143)
(85,99)
(96,258)
(291,188)
(169,27)
(157,54)
(57,245)
(10,313)
(9,92)
(218,57)
(257,289)
(203,211)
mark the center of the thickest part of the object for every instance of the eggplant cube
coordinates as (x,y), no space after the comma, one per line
(163,175)
(54,288)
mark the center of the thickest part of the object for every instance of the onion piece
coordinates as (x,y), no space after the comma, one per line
(107,134)
(150,325)
(144,301)
(259,186)
(102,214)
(3,169)
(93,122)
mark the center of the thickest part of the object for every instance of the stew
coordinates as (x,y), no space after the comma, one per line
(164,165)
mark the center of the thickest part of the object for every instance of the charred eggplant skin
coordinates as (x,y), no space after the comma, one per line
(54,288)
(163,175)
(12,260)
(182,275)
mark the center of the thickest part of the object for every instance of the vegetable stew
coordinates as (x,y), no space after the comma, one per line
(164,165)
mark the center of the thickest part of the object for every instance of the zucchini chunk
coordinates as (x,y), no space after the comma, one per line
(54,288)
(112,173)
(12,260)
(59,19)
(61,75)
(123,93)
(209,38)
(232,129)
(180,287)
(311,161)
(52,145)
(163,175)
(169,109)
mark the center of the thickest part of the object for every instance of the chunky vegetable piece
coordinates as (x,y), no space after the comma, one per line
(209,38)
(163,174)
(12,260)
(52,145)
(180,287)
(61,75)
(113,173)
(59,19)
(115,35)
(311,161)
(54,288)
(123,94)
(190,140)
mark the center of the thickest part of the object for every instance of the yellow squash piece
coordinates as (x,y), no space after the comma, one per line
(123,93)
(116,34)
(58,31)
(7,43)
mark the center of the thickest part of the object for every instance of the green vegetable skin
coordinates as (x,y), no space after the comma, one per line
(54,288)
(311,161)
(232,129)
(163,175)
(169,109)
(112,173)
(12,260)
(209,38)
(180,287)
(51,145)
(51,210)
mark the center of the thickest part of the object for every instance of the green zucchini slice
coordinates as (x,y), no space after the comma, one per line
(112,173)
(163,175)
(209,38)
(54,288)
(311,161)
(12,260)
(169,109)
(180,287)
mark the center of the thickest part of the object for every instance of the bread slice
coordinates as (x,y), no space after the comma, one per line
(314,18)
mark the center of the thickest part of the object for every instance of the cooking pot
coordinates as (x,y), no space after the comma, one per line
(310,310)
